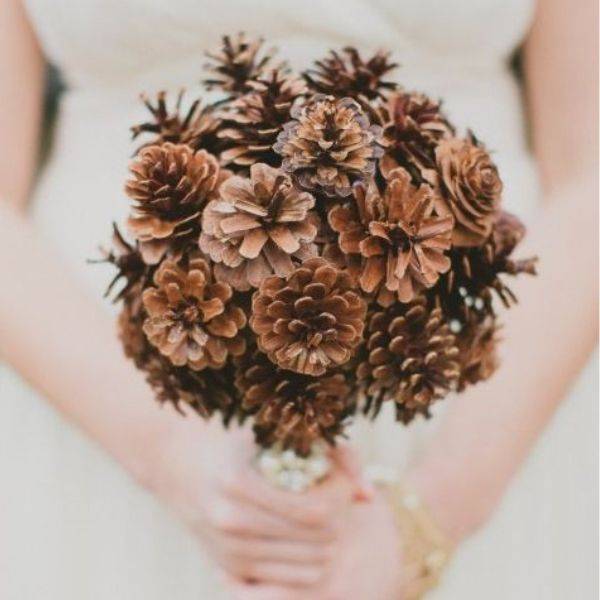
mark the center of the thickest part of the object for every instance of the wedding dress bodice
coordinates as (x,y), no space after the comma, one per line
(134,43)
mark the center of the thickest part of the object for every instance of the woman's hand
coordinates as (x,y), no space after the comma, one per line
(254,531)
(367,559)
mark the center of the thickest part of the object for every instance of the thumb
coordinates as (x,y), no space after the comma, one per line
(347,460)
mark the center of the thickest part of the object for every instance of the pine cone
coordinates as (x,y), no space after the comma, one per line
(291,409)
(258,226)
(170,184)
(507,233)
(329,145)
(471,189)
(410,357)
(202,133)
(205,392)
(253,121)
(238,62)
(412,127)
(165,125)
(477,357)
(191,319)
(348,74)
(400,239)
(129,264)
(311,321)
(130,331)
(476,273)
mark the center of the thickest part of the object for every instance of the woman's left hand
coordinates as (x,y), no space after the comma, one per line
(367,561)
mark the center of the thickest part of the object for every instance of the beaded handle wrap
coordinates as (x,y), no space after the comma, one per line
(288,471)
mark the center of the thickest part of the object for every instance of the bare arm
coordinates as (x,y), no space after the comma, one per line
(549,336)
(56,336)
(21,81)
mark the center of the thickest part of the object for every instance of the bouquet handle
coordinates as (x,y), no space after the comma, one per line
(288,471)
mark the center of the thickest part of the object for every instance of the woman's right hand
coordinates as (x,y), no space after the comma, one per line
(254,531)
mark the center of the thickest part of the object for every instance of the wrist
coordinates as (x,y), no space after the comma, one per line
(140,452)
(138,434)
(458,505)
(166,440)
(424,548)
(178,438)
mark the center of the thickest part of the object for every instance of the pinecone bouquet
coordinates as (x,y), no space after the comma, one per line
(308,248)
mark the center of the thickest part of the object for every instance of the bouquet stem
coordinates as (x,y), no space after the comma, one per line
(288,471)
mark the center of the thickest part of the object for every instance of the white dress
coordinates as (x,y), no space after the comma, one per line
(72,525)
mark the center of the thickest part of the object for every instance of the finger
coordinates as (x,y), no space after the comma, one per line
(313,508)
(244,520)
(257,549)
(348,461)
(275,573)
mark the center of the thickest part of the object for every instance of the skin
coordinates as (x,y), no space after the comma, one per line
(271,544)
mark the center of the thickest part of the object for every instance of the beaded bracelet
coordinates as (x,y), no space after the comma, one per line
(426,550)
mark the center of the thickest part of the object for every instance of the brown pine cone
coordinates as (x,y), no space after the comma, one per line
(129,264)
(507,234)
(291,409)
(329,145)
(237,62)
(412,127)
(205,393)
(253,121)
(400,239)
(310,322)
(346,73)
(258,226)
(131,333)
(410,357)
(477,356)
(165,125)
(191,319)
(476,274)
(471,189)
(202,133)
(170,184)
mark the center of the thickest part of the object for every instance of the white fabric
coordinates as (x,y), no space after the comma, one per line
(76,526)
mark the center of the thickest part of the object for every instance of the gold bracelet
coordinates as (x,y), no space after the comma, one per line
(426,550)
